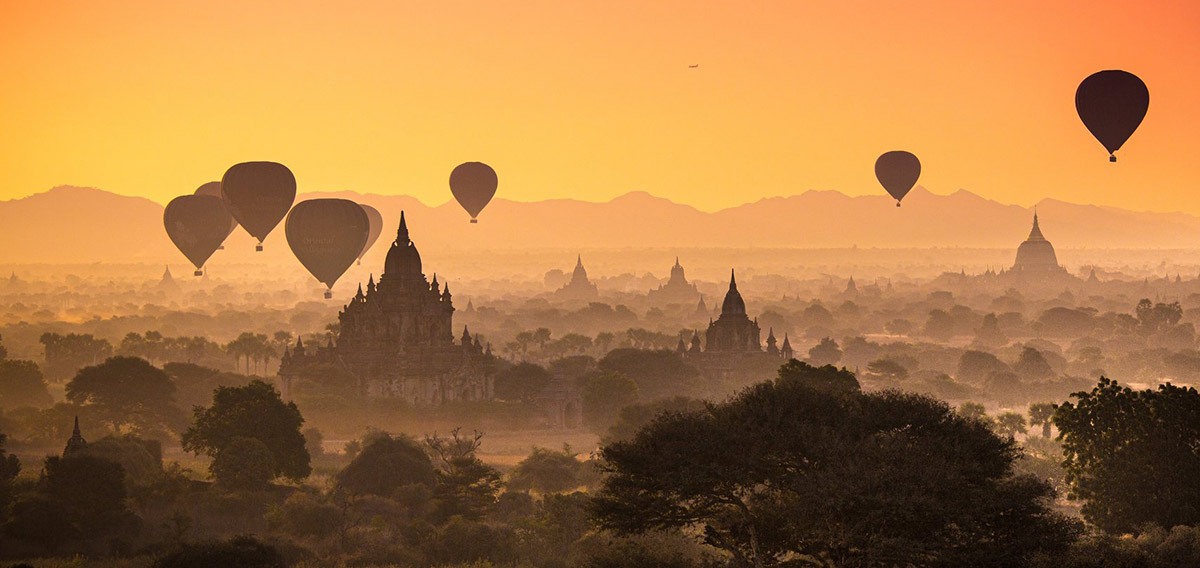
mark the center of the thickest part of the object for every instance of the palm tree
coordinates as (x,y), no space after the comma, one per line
(1042,413)
(1010,424)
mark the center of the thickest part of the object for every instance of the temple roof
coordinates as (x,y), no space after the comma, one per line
(403,257)
(733,304)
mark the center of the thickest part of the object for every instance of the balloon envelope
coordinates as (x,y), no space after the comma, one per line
(326,236)
(473,185)
(1112,104)
(897,171)
(197,224)
(376,222)
(213,189)
(259,195)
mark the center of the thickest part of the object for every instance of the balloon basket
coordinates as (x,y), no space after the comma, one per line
(198,273)
(328,294)
(474,220)
(897,204)
(222,247)
(1112,158)
(257,248)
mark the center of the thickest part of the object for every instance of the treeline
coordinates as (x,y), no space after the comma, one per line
(805,469)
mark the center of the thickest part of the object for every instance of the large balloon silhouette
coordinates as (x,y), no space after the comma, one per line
(376,221)
(258,194)
(473,185)
(213,189)
(1112,104)
(326,236)
(897,171)
(197,224)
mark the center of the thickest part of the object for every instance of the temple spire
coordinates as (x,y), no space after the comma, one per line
(1035,234)
(402,232)
(732,281)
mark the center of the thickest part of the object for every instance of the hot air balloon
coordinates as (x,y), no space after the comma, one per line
(258,194)
(213,189)
(897,171)
(376,221)
(473,185)
(1112,104)
(197,224)
(326,236)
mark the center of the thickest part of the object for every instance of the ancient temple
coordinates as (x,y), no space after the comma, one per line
(579,288)
(76,443)
(1036,254)
(677,290)
(733,330)
(396,340)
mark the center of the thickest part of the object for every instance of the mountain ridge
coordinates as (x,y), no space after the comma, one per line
(86,224)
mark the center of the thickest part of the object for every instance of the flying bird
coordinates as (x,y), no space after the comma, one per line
(693,66)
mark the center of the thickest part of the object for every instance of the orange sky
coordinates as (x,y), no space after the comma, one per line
(595,99)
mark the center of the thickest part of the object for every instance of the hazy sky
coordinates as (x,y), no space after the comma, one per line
(595,99)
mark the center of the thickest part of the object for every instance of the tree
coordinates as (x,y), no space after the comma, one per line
(1009,424)
(1157,316)
(546,471)
(252,411)
(3,350)
(784,471)
(940,325)
(466,486)
(827,378)
(140,459)
(10,466)
(989,333)
(521,381)
(22,384)
(603,340)
(66,354)
(888,369)
(604,395)
(384,465)
(239,551)
(127,393)
(90,493)
(657,372)
(243,464)
(974,411)
(1032,366)
(635,416)
(1133,456)
(976,366)
(826,352)
(1042,414)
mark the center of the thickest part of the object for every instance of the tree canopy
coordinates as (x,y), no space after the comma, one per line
(252,411)
(386,464)
(1133,456)
(810,467)
(22,384)
(128,393)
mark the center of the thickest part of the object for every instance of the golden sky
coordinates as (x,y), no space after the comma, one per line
(590,99)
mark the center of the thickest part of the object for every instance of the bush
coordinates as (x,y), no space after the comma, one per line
(237,552)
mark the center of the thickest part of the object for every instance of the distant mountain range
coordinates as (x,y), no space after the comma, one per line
(85,225)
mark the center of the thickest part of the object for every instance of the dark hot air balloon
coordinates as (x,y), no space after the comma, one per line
(258,194)
(897,171)
(473,185)
(197,224)
(213,189)
(326,236)
(1112,104)
(376,221)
